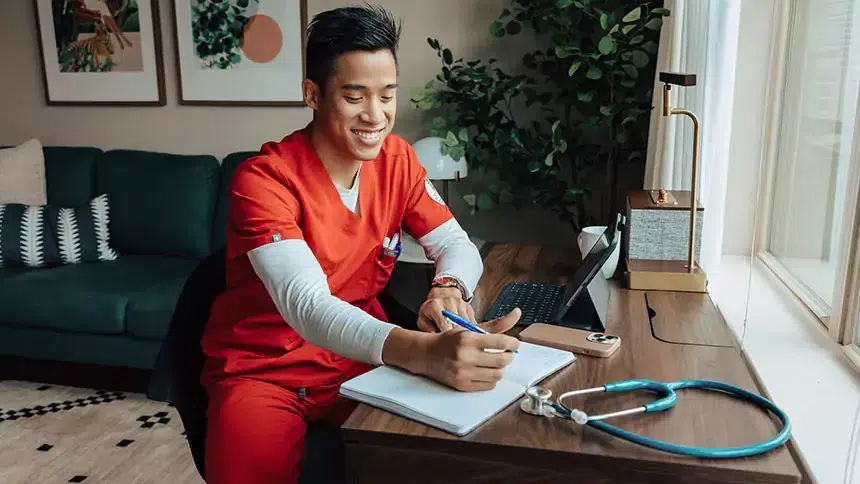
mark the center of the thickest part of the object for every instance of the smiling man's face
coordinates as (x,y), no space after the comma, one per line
(356,111)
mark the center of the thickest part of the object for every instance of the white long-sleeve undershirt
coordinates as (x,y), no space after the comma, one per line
(298,286)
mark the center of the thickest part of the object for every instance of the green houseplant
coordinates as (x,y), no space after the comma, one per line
(579,110)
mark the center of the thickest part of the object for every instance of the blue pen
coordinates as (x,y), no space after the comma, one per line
(463,323)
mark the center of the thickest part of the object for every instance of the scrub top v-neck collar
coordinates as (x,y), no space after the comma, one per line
(364,183)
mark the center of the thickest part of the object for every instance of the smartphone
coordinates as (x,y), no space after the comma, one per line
(589,343)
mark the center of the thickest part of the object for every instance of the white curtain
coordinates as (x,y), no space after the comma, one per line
(699,37)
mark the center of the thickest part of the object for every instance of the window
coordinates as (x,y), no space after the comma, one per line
(807,232)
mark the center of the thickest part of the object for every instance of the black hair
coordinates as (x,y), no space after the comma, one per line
(346,29)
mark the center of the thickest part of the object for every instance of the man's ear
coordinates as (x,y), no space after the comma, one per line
(311,94)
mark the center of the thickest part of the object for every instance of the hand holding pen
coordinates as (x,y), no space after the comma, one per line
(470,326)
(470,360)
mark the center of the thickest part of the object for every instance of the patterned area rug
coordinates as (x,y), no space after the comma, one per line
(58,434)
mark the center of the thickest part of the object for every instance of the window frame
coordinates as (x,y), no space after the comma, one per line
(842,315)
(847,305)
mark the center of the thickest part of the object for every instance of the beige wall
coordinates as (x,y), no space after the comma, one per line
(221,130)
(215,130)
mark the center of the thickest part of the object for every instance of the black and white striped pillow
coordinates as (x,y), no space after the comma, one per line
(40,236)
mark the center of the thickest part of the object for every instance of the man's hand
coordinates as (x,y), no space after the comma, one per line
(456,357)
(430,318)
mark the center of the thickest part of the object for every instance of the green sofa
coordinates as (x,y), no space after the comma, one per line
(167,213)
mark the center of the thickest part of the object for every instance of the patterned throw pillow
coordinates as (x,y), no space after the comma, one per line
(41,236)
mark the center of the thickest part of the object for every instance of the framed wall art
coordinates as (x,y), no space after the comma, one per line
(240,52)
(100,52)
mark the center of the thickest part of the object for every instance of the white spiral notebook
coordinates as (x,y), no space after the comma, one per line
(421,399)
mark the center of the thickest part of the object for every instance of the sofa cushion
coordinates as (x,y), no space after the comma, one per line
(228,166)
(10,272)
(162,204)
(45,236)
(70,172)
(150,311)
(92,298)
(22,174)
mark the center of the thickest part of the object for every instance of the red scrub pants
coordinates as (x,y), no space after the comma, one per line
(258,417)
(256,430)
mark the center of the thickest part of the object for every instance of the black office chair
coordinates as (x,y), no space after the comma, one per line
(176,375)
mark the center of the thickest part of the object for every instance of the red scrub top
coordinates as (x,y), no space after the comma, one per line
(283,193)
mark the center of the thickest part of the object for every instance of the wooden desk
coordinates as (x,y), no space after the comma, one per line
(665,336)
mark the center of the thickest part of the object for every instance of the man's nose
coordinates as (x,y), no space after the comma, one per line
(374,114)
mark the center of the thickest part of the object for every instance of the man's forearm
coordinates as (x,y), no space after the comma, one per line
(406,349)
(299,289)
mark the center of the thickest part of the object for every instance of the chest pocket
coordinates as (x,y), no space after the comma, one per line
(383,264)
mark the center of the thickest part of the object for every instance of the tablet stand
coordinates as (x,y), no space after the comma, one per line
(589,310)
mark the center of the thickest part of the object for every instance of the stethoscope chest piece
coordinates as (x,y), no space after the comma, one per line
(537,402)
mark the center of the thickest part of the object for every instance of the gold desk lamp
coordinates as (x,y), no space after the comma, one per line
(654,213)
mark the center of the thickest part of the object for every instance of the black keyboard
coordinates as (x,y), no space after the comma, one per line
(538,302)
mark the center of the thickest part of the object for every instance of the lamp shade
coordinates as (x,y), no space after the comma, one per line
(439,166)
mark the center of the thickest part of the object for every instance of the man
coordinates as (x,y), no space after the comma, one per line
(309,248)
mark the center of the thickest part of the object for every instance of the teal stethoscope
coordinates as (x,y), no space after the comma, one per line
(537,402)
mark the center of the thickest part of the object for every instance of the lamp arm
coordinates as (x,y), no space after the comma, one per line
(694,187)
(668,111)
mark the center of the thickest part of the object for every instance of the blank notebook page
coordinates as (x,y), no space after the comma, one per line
(534,362)
(458,412)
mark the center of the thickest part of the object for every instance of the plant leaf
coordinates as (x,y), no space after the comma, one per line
(604,21)
(640,59)
(451,139)
(655,23)
(606,110)
(637,39)
(573,68)
(463,134)
(594,73)
(628,120)
(514,27)
(496,29)
(562,51)
(628,83)
(533,166)
(485,202)
(585,97)
(447,57)
(563,3)
(633,15)
(661,11)
(614,29)
(548,160)
(606,45)
(627,28)
(650,46)
(630,71)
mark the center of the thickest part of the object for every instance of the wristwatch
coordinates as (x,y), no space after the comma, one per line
(447,281)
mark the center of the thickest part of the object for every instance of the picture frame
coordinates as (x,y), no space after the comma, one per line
(255,58)
(100,52)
